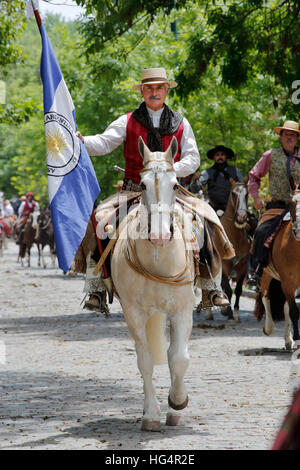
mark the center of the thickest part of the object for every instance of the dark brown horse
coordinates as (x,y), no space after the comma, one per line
(45,236)
(235,223)
(281,278)
(27,238)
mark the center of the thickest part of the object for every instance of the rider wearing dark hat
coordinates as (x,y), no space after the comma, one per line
(216,178)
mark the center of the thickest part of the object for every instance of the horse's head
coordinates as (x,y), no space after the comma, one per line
(295,213)
(239,200)
(34,219)
(159,184)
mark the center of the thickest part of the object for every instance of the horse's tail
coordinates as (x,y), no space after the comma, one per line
(277,300)
(156,336)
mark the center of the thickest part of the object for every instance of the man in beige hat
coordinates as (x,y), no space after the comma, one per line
(156,123)
(283,166)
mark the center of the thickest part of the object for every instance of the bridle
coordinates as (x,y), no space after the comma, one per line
(236,205)
(156,170)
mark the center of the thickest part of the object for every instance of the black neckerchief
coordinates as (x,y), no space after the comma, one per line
(220,168)
(168,125)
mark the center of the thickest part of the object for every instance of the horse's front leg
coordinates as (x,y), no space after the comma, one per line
(178,358)
(238,293)
(28,257)
(43,257)
(39,254)
(145,361)
(228,291)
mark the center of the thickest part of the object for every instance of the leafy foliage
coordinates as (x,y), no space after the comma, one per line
(220,112)
(12,24)
(109,19)
(248,38)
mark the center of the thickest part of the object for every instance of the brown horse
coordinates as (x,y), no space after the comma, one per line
(281,278)
(45,236)
(235,223)
(27,238)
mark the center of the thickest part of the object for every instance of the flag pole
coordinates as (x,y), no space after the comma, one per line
(107,279)
(36,14)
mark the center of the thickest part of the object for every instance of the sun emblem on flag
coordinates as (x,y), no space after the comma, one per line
(63,147)
(56,144)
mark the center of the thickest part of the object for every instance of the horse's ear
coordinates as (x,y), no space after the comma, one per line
(232,181)
(172,149)
(144,151)
(246,180)
(141,146)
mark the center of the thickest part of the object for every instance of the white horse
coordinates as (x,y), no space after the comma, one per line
(153,274)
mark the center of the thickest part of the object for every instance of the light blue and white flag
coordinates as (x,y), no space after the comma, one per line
(72,182)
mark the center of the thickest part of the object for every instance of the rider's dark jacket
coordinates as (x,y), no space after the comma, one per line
(218,185)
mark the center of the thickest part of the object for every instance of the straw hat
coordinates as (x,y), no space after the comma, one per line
(156,75)
(220,148)
(288,126)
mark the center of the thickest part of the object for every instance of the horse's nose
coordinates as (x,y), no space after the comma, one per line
(241,216)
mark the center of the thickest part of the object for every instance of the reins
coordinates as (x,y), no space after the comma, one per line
(176,280)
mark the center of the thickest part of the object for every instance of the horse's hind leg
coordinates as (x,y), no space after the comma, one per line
(294,315)
(287,334)
(178,357)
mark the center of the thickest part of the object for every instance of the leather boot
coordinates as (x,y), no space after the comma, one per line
(214,298)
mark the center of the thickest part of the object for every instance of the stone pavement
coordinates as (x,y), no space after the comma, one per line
(69,378)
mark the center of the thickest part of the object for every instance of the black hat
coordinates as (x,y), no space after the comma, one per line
(220,148)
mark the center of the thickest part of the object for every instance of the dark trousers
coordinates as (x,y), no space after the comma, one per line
(260,253)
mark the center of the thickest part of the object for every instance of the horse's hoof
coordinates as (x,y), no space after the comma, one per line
(209,315)
(150,425)
(289,346)
(268,333)
(178,407)
(174,420)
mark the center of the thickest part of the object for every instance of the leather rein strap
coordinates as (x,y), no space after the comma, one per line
(177,280)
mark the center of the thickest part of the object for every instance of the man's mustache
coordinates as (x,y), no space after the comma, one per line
(154,97)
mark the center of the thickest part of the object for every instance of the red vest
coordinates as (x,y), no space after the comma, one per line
(133,159)
(27,209)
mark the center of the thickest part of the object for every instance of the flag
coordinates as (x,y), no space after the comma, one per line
(72,182)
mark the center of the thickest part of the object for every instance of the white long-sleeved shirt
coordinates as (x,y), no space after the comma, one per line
(115,135)
(21,207)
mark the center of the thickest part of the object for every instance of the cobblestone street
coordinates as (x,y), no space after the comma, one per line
(69,378)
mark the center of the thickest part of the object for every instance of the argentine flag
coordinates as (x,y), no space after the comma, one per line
(72,182)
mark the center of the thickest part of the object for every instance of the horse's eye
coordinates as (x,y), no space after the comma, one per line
(175,187)
(143,186)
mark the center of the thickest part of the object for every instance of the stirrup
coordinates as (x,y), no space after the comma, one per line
(218,299)
(97,303)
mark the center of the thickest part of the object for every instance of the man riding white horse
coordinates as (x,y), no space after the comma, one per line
(156,123)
